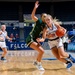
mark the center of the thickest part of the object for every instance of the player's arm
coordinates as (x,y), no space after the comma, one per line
(0,32)
(34,11)
(7,37)
(44,33)
(43,36)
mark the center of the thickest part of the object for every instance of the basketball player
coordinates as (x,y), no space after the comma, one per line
(66,41)
(3,36)
(34,34)
(55,42)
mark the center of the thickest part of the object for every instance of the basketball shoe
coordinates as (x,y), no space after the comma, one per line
(38,65)
(3,59)
(69,65)
(71,58)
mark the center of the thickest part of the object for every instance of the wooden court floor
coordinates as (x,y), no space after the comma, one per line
(21,63)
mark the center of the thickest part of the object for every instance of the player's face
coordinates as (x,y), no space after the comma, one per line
(43,17)
(48,21)
(3,27)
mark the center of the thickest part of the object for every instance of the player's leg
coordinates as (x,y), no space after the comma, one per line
(3,47)
(62,53)
(36,46)
(53,45)
(4,53)
(56,54)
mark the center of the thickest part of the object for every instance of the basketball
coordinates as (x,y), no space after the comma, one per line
(60,32)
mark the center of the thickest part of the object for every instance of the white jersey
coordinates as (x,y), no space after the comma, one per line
(52,31)
(55,43)
(3,35)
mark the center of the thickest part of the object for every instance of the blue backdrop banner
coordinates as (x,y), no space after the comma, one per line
(23,46)
(18,46)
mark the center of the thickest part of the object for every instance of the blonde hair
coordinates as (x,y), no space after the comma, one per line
(55,21)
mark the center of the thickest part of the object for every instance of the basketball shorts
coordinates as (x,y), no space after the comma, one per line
(2,44)
(30,39)
(55,43)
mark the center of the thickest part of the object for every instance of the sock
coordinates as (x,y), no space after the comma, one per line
(38,62)
(69,56)
(67,62)
(2,57)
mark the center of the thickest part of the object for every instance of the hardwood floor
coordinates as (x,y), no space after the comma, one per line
(22,64)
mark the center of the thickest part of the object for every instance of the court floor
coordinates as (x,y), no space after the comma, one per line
(21,63)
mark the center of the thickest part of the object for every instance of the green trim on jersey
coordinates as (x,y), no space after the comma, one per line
(39,26)
(37,29)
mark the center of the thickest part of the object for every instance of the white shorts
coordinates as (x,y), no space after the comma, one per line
(2,44)
(55,43)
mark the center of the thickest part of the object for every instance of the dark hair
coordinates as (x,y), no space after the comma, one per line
(42,14)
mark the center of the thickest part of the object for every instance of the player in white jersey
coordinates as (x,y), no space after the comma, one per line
(55,42)
(3,36)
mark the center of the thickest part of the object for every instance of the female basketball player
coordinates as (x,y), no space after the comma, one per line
(34,34)
(54,41)
(3,36)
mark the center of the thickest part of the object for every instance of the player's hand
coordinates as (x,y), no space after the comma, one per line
(13,39)
(40,40)
(1,39)
(10,39)
(69,41)
(36,4)
(0,32)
